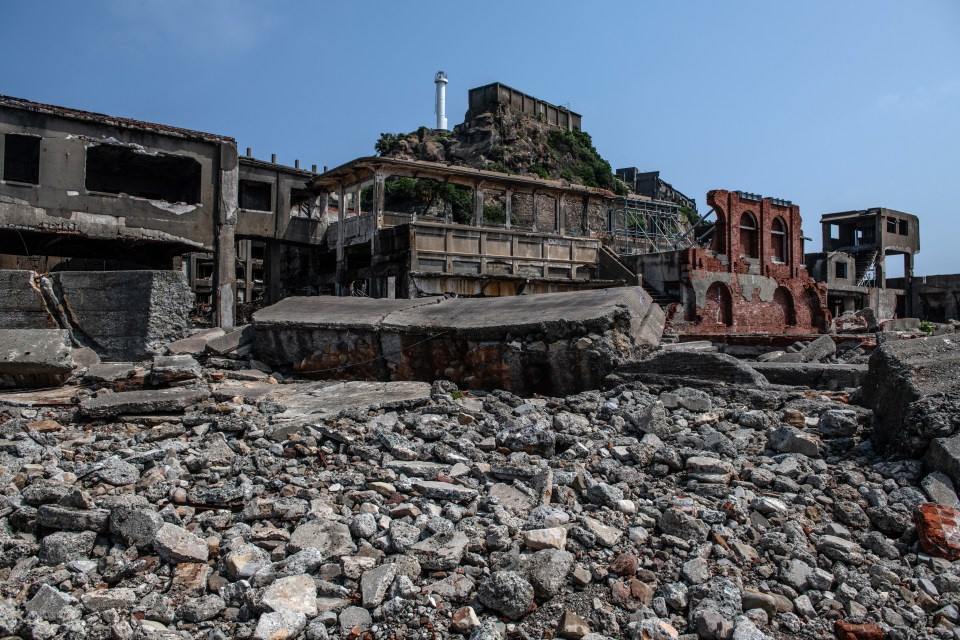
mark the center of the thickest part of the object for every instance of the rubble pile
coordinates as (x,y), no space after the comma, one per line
(225,501)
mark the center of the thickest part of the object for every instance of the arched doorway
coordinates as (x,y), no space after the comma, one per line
(783,310)
(718,307)
(812,302)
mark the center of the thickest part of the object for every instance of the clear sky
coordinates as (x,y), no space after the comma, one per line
(834,105)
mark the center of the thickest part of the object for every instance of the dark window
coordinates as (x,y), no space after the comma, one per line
(300,203)
(903,229)
(891,225)
(841,270)
(748,235)
(834,232)
(778,238)
(255,195)
(21,159)
(113,169)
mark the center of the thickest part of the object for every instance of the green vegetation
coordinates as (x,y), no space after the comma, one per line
(588,167)
(421,195)
(540,171)
(927,327)
(689,214)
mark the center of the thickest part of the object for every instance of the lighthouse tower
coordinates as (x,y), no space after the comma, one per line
(440,108)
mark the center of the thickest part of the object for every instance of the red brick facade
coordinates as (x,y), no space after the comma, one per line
(752,279)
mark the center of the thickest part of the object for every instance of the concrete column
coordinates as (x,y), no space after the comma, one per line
(561,215)
(273,258)
(508,207)
(882,270)
(910,308)
(341,220)
(322,203)
(225,245)
(533,209)
(478,204)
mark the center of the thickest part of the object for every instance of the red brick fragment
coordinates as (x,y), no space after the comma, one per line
(850,631)
(938,528)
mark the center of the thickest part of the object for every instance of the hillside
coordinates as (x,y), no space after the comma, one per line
(508,141)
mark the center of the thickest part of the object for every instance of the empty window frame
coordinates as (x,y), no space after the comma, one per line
(778,240)
(891,225)
(301,203)
(840,270)
(903,228)
(748,235)
(112,169)
(256,195)
(21,158)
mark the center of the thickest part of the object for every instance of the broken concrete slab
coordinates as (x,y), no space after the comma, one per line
(196,343)
(820,349)
(815,375)
(547,343)
(167,369)
(175,399)
(230,341)
(913,387)
(115,374)
(35,357)
(696,365)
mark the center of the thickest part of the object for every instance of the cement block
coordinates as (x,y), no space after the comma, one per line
(815,375)
(230,341)
(693,365)
(547,343)
(138,402)
(35,357)
(196,343)
(913,387)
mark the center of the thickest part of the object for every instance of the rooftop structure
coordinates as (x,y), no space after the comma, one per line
(492,96)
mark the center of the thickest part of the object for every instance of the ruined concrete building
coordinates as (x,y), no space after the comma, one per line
(651,185)
(85,191)
(490,97)
(853,261)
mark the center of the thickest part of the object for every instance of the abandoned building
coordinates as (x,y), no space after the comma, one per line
(651,185)
(83,191)
(491,97)
(853,261)
(744,274)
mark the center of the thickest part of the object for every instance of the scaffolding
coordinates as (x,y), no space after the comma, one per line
(648,226)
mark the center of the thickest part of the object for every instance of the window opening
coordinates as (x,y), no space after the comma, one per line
(256,195)
(21,159)
(112,169)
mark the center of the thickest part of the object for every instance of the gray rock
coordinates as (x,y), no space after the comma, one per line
(442,551)
(547,571)
(331,538)
(176,544)
(62,547)
(354,618)
(54,516)
(201,609)
(508,593)
(136,527)
(296,594)
(280,625)
(374,584)
(53,605)
(940,489)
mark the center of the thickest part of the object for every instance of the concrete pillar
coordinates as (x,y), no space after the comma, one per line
(274,259)
(341,220)
(323,201)
(225,245)
(910,308)
(478,204)
(533,209)
(508,207)
(561,215)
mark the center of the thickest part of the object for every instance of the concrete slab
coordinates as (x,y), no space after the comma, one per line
(913,387)
(35,357)
(147,401)
(692,365)
(196,343)
(549,343)
(816,375)
(230,341)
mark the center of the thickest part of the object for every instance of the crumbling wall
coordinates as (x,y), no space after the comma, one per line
(121,315)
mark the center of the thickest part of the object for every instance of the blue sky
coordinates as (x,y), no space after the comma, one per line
(834,105)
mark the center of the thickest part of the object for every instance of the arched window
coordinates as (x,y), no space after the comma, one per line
(778,240)
(748,235)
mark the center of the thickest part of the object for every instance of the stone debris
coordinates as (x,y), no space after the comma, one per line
(171,500)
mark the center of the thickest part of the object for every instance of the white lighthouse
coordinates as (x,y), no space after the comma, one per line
(440,108)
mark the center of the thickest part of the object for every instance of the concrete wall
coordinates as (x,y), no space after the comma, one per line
(62,204)
(489,97)
(122,315)
(936,298)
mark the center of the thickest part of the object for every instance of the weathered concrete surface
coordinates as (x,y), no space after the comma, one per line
(147,401)
(35,357)
(944,456)
(820,349)
(816,375)
(549,343)
(692,365)
(122,315)
(913,387)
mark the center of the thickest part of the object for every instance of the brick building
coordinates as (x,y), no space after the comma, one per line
(749,277)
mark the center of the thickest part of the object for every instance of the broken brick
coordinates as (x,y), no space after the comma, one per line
(938,528)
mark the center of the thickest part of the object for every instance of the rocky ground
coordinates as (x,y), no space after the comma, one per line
(257,507)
